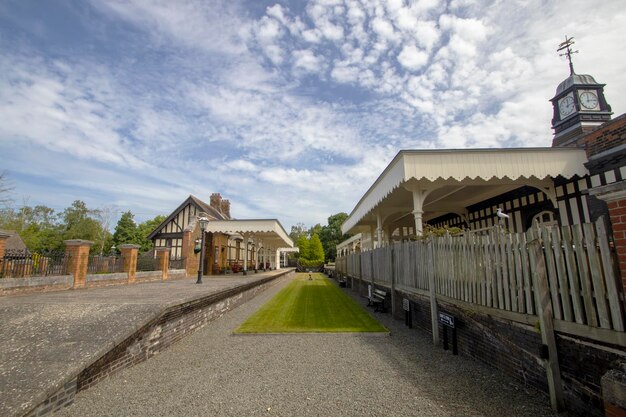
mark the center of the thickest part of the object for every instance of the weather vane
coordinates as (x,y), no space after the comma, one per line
(568,52)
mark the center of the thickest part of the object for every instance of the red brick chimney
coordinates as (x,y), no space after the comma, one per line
(226,208)
(216,201)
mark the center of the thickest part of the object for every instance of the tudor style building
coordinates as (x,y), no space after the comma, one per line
(170,232)
(229,244)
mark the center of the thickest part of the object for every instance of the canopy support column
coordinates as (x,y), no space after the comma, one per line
(419,195)
(245,254)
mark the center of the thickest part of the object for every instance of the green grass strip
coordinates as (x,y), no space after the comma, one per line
(310,306)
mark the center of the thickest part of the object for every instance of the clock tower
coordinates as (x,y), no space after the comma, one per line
(579,104)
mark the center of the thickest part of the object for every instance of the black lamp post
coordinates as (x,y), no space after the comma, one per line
(203,222)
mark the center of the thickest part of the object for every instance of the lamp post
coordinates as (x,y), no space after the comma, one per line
(203,222)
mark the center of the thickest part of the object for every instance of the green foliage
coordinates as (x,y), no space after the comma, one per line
(436,232)
(42,229)
(303,247)
(144,229)
(297,230)
(126,230)
(316,251)
(331,235)
(80,223)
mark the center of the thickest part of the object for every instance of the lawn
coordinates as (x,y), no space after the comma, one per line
(310,306)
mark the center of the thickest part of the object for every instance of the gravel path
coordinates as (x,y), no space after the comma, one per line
(215,373)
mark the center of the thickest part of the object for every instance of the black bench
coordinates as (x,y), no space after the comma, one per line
(377,300)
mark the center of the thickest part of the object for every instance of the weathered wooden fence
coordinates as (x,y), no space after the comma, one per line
(494,270)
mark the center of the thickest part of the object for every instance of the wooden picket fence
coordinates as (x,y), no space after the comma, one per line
(495,270)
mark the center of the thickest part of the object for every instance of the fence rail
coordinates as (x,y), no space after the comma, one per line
(495,270)
(24,264)
(176,263)
(105,264)
(147,262)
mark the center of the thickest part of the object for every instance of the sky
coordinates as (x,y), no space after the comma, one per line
(289,109)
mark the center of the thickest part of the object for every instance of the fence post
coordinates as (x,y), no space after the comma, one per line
(372,269)
(544,312)
(163,258)
(434,322)
(393,284)
(360,257)
(77,250)
(129,255)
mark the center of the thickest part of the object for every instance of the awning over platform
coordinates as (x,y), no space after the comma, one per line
(268,231)
(430,183)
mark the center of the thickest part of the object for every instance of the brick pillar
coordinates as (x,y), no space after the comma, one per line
(615,197)
(77,250)
(129,254)
(163,256)
(187,249)
(3,241)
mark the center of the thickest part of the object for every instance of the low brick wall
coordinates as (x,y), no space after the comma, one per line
(514,347)
(173,324)
(10,286)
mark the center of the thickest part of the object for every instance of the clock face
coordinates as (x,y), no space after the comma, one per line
(589,100)
(566,106)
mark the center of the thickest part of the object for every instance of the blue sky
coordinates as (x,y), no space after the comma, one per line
(289,109)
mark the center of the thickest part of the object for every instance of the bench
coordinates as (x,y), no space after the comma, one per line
(377,300)
(341,281)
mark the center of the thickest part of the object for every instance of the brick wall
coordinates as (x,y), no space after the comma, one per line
(62,398)
(609,135)
(173,325)
(617,211)
(514,348)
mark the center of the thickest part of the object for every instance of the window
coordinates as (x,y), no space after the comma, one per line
(545,218)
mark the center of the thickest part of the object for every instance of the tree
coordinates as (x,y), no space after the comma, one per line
(37,226)
(315,230)
(105,216)
(79,223)
(126,230)
(297,230)
(316,251)
(331,235)
(144,229)
(303,247)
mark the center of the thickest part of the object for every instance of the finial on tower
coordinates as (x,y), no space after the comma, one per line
(568,52)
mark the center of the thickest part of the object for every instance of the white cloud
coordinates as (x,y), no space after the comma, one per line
(307,61)
(412,58)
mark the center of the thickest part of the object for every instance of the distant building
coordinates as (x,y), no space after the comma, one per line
(14,243)
(229,244)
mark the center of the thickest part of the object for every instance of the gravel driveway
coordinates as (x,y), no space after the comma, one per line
(215,373)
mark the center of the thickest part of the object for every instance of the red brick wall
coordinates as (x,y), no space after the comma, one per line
(610,135)
(617,211)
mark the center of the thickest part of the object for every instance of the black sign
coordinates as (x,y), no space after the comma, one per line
(405,304)
(446,320)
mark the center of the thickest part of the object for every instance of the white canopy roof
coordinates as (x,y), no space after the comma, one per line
(269,231)
(458,178)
